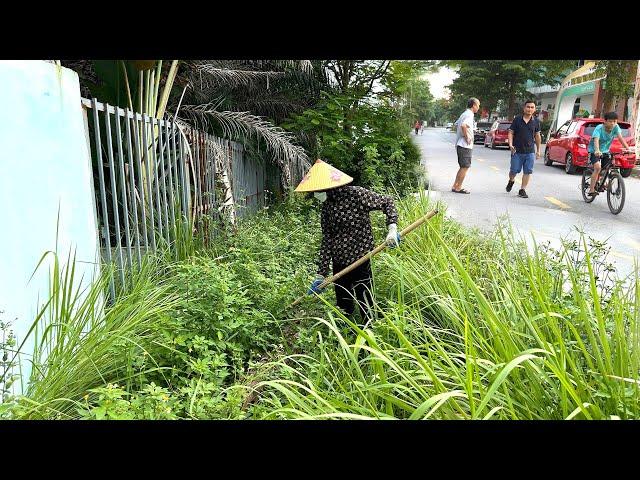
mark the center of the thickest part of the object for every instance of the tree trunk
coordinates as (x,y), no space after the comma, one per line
(635,112)
(512,102)
(608,103)
(227,207)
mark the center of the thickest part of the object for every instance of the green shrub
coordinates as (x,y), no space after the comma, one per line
(368,142)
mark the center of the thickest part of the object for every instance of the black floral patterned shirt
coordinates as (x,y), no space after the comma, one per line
(346,226)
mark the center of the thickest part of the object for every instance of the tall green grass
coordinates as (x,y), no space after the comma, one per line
(189,317)
(467,326)
(81,343)
(470,327)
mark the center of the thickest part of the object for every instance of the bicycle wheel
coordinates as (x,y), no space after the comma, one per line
(615,193)
(586,182)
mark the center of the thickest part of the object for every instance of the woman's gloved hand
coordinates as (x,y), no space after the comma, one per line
(393,237)
(315,284)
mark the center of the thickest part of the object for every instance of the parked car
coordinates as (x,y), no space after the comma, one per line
(448,125)
(481,130)
(498,134)
(568,145)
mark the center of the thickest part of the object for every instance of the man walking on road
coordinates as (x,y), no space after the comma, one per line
(464,143)
(523,131)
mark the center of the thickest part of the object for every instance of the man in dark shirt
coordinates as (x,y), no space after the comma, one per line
(524,130)
(346,232)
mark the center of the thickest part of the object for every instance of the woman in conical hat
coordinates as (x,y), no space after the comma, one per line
(346,232)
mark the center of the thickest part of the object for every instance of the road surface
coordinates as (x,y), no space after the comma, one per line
(554,209)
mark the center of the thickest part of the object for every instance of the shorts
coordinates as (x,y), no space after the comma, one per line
(464,156)
(522,161)
(606,160)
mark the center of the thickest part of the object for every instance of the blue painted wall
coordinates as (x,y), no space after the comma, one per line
(44,170)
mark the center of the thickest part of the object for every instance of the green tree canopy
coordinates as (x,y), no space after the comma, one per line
(619,82)
(502,82)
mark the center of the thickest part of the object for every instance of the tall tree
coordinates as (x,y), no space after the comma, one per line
(503,81)
(619,81)
(407,91)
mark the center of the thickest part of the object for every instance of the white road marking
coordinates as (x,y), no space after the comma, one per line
(541,234)
(621,255)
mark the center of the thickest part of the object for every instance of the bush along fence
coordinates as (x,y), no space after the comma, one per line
(157,182)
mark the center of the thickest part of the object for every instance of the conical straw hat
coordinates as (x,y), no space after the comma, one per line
(322,176)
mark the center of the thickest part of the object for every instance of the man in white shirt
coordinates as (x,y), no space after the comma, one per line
(464,143)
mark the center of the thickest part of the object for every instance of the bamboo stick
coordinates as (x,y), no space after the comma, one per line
(366,257)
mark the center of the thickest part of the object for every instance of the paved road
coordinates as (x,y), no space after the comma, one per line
(552,211)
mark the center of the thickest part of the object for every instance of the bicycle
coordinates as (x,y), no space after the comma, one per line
(610,180)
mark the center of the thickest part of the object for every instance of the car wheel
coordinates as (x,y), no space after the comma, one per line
(569,167)
(625,172)
(547,160)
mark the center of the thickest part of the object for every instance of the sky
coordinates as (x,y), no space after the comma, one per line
(440,80)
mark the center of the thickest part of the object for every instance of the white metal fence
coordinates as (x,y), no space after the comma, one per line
(155,178)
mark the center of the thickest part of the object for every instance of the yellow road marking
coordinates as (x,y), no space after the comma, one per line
(631,243)
(481,159)
(621,255)
(557,202)
(541,234)
(495,168)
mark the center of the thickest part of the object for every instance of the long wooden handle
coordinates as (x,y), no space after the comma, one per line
(366,257)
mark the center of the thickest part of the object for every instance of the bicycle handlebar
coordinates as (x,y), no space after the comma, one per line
(616,154)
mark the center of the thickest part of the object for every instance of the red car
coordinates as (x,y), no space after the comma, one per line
(498,134)
(568,145)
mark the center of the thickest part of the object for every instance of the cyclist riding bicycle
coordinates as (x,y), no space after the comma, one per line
(600,143)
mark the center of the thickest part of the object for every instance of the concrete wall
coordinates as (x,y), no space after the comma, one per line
(44,172)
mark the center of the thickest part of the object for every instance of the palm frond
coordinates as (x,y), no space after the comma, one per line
(209,75)
(301,65)
(287,155)
(269,107)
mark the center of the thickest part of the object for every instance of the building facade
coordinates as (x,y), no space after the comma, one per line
(581,94)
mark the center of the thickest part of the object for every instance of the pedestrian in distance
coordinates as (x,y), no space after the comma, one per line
(525,145)
(346,233)
(417,126)
(421,127)
(464,143)
(600,143)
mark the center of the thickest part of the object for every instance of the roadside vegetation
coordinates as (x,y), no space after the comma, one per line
(468,326)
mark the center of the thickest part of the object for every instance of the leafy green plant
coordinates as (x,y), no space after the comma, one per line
(7,363)
(81,343)
(369,143)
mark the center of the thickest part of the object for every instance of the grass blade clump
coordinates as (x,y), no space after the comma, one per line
(472,326)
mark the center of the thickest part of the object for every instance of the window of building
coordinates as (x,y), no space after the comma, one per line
(572,128)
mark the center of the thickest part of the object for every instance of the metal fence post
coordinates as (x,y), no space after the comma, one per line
(123,189)
(103,195)
(114,190)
